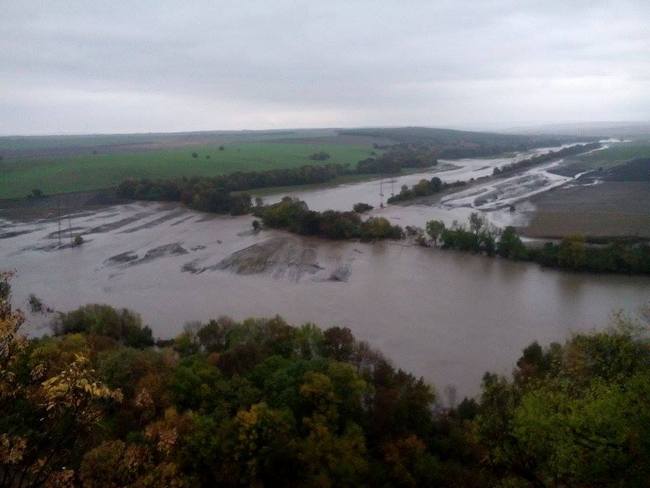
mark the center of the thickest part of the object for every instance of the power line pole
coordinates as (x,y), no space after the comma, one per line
(58,206)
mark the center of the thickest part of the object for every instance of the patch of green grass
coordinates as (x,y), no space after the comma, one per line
(100,171)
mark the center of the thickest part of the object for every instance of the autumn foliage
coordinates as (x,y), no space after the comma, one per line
(263,403)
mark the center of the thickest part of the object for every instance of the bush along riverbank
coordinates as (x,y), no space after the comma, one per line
(264,403)
(572,253)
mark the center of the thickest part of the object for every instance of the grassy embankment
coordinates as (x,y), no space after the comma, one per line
(99,171)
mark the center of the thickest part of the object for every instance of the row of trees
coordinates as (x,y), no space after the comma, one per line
(424,188)
(545,158)
(216,194)
(572,252)
(294,215)
(222,194)
(263,403)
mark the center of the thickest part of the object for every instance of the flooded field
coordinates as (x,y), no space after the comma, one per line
(446,316)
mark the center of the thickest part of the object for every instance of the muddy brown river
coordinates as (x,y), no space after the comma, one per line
(446,316)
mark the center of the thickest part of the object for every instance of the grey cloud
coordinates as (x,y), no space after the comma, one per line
(168,65)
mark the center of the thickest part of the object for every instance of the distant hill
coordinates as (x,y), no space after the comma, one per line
(437,136)
(453,143)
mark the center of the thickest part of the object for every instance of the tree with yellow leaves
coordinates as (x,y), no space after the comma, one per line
(44,414)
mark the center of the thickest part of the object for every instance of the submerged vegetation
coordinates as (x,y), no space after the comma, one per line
(264,403)
(294,215)
(226,194)
(362,207)
(424,188)
(572,253)
(219,195)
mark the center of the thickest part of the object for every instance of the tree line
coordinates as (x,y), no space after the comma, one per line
(572,252)
(397,157)
(263,403)
(295,216)
(223,194)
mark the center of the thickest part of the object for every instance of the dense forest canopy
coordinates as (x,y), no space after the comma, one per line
(264,403)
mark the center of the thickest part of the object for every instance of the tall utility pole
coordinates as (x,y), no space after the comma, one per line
(58,206)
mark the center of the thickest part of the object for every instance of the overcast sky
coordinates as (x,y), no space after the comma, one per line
(139,66)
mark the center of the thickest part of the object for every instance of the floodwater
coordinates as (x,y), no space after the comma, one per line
(495,198)
(446,316)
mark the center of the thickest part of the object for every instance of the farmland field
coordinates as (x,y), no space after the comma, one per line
(611,209)
(85,172)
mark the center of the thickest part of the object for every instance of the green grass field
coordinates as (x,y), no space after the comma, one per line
(100,171)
